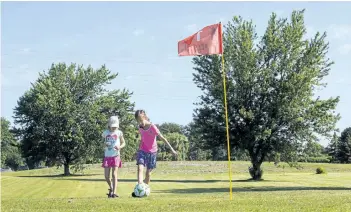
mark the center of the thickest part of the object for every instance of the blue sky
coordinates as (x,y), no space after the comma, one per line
(139,41)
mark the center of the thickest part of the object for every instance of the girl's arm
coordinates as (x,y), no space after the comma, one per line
(104,138)
(169,145)
(140,138)
(123,142)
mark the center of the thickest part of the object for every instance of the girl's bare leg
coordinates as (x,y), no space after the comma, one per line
(147,176)
(107,178)
(114,180)
(140,173)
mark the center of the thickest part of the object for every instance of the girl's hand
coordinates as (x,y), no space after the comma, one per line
(174,152)
(117,147)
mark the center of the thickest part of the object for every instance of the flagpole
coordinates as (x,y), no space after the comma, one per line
(185,42)
(227,128)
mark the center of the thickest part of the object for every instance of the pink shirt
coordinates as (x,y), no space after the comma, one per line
(148,139)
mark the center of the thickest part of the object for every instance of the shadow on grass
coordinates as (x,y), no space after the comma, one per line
(162,181)
(252,189)
(58,175)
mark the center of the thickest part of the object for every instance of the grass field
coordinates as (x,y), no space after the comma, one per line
(182,186)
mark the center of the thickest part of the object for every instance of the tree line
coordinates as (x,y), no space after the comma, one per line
(14,154)
(274,114)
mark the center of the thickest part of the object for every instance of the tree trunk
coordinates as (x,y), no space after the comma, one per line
(256,161)
(66,168)
(256,171)
(214,154)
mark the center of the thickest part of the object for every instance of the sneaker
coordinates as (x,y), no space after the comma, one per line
(109,195)
(114,196)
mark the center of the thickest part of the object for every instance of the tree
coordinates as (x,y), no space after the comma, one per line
(197,151)
(171,128)
(344,146)
(7,139)
(238,154)
(180,144)
(121,106)
(132,139)
(10,154)
(63,114)
(312,149)
(270,87)
(175,134)
(332,148)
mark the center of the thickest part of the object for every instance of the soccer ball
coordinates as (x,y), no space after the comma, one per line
(142,190)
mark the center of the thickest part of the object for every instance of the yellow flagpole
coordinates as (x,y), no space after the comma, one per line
(227,128)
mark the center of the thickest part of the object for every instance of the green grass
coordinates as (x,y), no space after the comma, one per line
(182,186)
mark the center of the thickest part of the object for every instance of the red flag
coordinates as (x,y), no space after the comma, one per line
(207,41)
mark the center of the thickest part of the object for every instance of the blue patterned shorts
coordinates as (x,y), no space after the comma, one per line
(147,159)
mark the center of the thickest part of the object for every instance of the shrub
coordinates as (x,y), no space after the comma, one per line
(321,170)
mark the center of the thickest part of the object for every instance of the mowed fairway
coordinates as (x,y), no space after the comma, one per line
(182,186)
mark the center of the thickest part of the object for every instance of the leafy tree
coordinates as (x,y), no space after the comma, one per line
(344,146)
(171,128)
(175,133)
(311,149)
(179,142)
(132,141)
(14,159)
(270,87)
(7,139)
(63,114)
(121,106)
(10,154)
(238,154)
(197,151)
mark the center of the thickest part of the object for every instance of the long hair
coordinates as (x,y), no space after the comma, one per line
(139,112)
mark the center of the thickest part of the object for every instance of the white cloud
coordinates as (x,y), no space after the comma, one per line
(23,66)
(345,49)
(138,32)
(342,31)
(25,51)
(152,37)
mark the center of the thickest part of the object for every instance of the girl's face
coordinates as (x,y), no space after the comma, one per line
(112,129)
(141,118)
